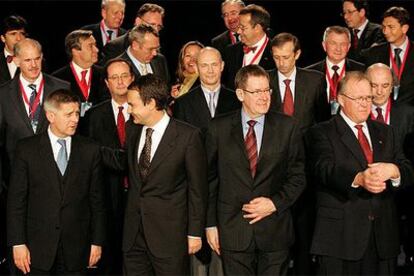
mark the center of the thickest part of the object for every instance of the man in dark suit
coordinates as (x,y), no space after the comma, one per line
(297,92)
(13,30)
(106,125)
(143,53)
(336,43)
(249,221)
(84,76)
(56,213)
(397,52)
(358,165)
(109,28)
(167,196)
(254,46)
(230,12)
(364,34)
(148,14)
(21,113)
(209,99)
(401,118)
(197,108)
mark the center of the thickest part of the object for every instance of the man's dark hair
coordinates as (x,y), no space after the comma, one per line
(258,15)
(152,87)
(58,97)
(115,60)
(13,22)
(399,13)
(280,39)
(74,41)
(359,5)
(148,7)
(245,72)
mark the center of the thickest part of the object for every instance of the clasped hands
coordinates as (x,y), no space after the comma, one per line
(374,178)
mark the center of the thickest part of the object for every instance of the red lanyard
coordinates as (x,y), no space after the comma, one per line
(36,102)
(232,37)
(387,112)
(107,38)
(332,86)
(397,71)
(258,54)
(83,88)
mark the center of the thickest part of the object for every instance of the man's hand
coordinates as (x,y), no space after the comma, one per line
(213,239)
(374,177)
(258,208)
(194,245)
(96,252)
(385,171)
(21,256)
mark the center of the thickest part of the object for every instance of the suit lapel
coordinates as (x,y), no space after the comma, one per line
(166,146)
(133,136)
(73,165)
(46,152)
(376,141)
(48,88)
(299,95)
(17,100)
(200,105)
(237,136)
(350,141)
(108,116)
(276,92)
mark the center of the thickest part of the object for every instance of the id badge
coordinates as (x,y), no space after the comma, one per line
(85,106)
(334,107)
(396,90)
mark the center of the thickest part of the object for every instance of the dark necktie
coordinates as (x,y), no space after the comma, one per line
(110,32)
(237,37)
(251,147)
(355,39)
(34,114)
(145,158)
(335,79)
(120,124)
(380,117)
(247,49)
(9,58)
(397,57)
(363,141)
(288,106)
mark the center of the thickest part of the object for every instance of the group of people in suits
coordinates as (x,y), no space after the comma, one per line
(257,164)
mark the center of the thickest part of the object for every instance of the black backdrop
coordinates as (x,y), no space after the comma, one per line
(50,21)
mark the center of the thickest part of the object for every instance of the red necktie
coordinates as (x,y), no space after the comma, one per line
(120,125)
(83,80)
(355,39)
(251,147)
(335,79)
(380,118)
(9,58)
(247,49)
(288,106)
(363,141)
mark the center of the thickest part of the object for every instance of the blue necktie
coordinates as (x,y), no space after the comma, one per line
(62,158)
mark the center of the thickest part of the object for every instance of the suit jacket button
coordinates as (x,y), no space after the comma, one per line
(57,227)
(371,217)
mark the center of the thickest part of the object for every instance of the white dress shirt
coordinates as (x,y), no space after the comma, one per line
(282,85)
(56,146)
(139,65)
(28,91)
(329,64)
(250,55)
(11,66)
(115,109)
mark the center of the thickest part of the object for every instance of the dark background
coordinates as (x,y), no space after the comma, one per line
(50,21)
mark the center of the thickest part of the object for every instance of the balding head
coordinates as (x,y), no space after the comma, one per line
(209,66)
(381,79)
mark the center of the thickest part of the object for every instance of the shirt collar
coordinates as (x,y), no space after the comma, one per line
(25,83)
(351,123)
(79,69)
(362,27)
(116,105)
(403,47)
(6,53)
(161,125)
(283,77)
(259,43)
(206,90)
(54,138)
(245,118)
(330,64)
(134,60)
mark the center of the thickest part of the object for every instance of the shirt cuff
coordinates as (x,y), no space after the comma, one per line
(193,237)
(395,182)
(211,227)
(18,245)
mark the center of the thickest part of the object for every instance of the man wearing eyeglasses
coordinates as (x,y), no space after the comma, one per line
(230,13)
(148,14)
(143,53)
(106,125)
(358,164)
(364,34)
(254,46)
(249,222)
